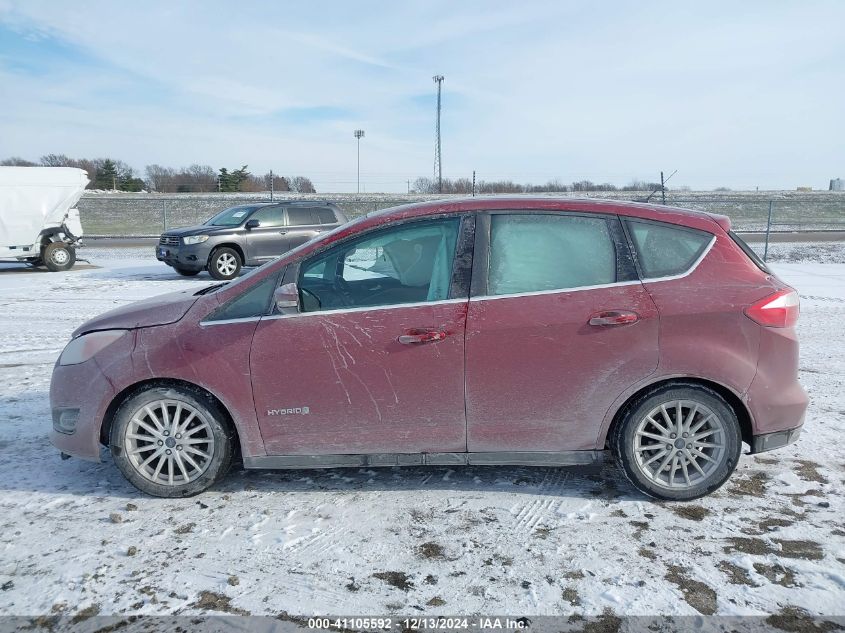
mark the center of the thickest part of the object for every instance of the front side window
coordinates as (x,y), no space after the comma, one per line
(666,249)
(269,217)
(532,253)
(406,264)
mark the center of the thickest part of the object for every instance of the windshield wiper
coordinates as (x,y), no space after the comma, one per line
(212,288)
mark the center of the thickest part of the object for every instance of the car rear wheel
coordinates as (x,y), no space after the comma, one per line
(171,441)
(678,442)
(186,272)
(58,256)
(225,263)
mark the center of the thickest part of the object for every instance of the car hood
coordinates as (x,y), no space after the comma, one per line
(159,310)
(201,229)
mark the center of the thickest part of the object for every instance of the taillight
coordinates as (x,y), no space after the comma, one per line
(777,310)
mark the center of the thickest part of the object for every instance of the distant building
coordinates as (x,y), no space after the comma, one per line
(837,184)
(805,189)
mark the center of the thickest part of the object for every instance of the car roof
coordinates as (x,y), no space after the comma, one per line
(685,217)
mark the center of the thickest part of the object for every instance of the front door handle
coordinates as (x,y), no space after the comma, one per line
(614,317)
(283,232)
(416,336)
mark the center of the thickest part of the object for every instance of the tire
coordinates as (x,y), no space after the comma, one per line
(58,256)
(185,272)
(660,463)
(224,263)
(153,465)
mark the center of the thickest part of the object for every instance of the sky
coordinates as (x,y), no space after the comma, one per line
(730,94)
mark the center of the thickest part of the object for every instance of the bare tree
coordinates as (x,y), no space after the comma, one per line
(17,161)
(301,184)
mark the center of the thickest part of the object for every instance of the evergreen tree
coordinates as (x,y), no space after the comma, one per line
(107,177)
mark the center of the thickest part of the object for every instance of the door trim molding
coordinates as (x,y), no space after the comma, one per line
(505,458)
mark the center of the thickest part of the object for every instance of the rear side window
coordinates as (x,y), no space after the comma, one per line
(664,250)
(300,217)
(326,216)
(531,253)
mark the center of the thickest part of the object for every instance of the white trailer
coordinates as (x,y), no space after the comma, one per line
(39,223)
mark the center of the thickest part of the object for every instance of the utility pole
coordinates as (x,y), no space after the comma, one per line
(438,167)
(473,183)
(409,186)
(359,134)
(271,185)
(662,189)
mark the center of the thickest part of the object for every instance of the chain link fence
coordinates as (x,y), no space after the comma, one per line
(148,215)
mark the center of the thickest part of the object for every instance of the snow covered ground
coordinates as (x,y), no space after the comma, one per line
(77,539)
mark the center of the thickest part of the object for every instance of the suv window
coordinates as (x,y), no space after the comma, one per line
(530,253)
(269,216)
(403,264)
(666,249)
(326,216)
(300,217)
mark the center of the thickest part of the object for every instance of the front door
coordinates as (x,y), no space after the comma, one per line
(268,239)
(373,361)
(561,329)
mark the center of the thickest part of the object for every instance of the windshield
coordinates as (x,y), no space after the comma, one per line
(231,217)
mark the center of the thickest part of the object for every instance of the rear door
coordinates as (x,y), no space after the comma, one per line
(302,224)
(557,328)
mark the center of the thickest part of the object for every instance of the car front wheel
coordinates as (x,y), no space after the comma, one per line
(58,256)
(678,442)
(171,441)
(225,263)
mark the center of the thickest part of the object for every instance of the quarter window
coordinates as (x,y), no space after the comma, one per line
(326,216)
(530,253)
(664,250)
(406,264)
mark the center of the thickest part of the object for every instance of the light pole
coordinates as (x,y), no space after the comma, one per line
(359,134)
(438,166)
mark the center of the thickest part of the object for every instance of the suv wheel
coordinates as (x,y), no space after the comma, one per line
(171,441)
(58,256)
(678,442)
(224,263)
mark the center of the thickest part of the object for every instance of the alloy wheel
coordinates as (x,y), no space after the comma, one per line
(226,264)
(679,444)
(169,442)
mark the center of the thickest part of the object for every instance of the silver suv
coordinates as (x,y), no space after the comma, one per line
(246,235)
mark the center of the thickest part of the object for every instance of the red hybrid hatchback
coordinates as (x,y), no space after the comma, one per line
(476,331)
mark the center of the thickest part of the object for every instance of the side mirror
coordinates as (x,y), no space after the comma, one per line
(252,224)
(286,297)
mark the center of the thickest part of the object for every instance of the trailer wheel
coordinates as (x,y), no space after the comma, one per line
(58,256)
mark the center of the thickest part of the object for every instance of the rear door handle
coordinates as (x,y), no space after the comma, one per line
(416,336)
(613,317)
(283,232)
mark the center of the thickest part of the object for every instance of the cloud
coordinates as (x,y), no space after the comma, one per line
(734,95)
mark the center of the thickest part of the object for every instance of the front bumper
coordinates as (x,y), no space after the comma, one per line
(188,257)
(771,441)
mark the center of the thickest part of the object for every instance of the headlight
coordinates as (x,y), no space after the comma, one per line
(195,239)
(84,347)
